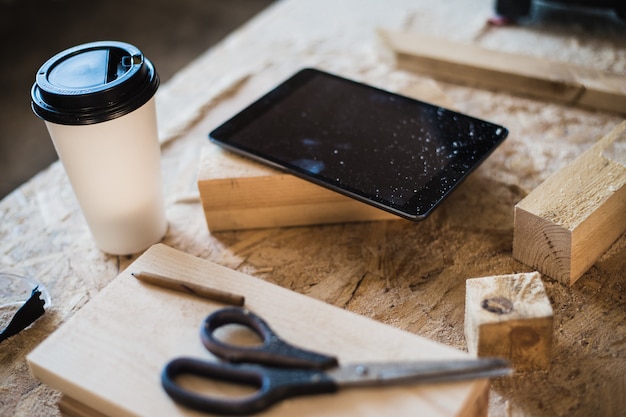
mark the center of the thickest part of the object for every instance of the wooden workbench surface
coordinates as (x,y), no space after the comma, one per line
(409,275)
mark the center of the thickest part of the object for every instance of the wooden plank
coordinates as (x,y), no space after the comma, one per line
(109,355)
(563,226)
(518,74)
(238,193)
(509,316)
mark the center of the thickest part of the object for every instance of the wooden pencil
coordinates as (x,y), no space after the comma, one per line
(190,288)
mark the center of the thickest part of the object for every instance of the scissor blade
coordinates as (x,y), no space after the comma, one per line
(392,373)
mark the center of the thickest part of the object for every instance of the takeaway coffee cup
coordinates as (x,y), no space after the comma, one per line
(97,101)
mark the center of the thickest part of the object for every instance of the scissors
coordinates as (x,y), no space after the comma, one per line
(279,370)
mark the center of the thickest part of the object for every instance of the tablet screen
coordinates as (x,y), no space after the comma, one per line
(396,153)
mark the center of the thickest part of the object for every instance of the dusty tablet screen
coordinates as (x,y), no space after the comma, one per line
(381,148)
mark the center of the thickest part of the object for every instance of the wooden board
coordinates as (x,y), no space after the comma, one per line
(563,226)
(107,358)
(521,74)
(238,193)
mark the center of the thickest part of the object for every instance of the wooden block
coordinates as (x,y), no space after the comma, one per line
(106,360)
(509,316)
(519,74)
(260,197)
(563,226)
(238,193)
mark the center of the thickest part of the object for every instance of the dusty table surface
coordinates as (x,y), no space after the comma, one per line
(408,275)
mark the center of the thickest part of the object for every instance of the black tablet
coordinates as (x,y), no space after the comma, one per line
(393,152)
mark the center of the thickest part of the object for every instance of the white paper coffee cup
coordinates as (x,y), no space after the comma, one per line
(97,101)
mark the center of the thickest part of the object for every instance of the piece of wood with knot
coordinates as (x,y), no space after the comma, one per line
(564,225)
(509,316)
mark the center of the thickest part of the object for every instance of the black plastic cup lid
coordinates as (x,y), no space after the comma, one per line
(93,83)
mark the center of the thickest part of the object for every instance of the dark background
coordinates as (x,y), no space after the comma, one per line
(170,33)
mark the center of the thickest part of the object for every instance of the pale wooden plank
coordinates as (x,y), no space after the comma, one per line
(564,225)
(108,357)
(520,74)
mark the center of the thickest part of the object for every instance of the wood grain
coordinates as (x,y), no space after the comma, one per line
(125,335)
(510,316)
(72,408)
(516,73)
(238,193)
(564,225)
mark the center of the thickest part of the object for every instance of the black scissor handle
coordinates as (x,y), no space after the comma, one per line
(273,350)
(273,385)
